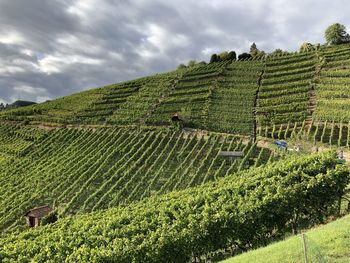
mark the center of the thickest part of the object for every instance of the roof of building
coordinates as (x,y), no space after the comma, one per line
(232,153)
(39,212)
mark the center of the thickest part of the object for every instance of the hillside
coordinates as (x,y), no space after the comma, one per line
(136,172)
(235,210)
(307,90)
(88,170)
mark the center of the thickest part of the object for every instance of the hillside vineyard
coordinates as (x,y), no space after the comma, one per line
(85,170)
(275,96)
(178,225)
(180,166)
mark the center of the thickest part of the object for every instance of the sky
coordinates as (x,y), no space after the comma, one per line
(53,48)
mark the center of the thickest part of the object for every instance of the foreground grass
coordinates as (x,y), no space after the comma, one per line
(328,243)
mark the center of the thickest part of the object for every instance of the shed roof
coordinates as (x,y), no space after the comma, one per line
(231,154)
(39,212)
(176,117)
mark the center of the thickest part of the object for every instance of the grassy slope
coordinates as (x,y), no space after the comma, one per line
(327,243)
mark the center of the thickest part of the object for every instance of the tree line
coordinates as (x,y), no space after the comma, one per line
(335,34)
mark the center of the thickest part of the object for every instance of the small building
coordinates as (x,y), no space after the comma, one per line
(34,215)
(232,155)
(176,118)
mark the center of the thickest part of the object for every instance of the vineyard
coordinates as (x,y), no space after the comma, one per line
(238,81)
(284,93)
(196,221)
(332,89)
(85,170)
(189,97)
(180,166)
(277,96)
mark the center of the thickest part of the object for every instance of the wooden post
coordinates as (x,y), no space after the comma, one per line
(305,248)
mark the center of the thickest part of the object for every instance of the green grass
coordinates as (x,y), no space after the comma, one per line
(327,243)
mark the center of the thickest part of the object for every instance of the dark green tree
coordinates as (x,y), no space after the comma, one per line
(244,56)
(181,66)
(232,55)
(336,34)
(254,51)
(214,58)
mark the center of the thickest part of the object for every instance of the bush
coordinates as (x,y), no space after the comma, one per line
(49,219)
(244,56)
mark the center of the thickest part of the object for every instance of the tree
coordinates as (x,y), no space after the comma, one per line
(181,66)
(336,34)
(232,56)
(214,58)
(255,52)
(278,52)
(244,56)
(191,63)
(306,47)
(224,56)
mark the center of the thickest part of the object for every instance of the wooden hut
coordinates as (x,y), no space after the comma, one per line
(232,155)
(176,118)
(34,215)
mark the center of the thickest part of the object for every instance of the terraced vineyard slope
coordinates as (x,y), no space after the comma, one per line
(192,223)
(232,99)
(278,96)
(88,170)
(333,85)
(283,97)
(190,97)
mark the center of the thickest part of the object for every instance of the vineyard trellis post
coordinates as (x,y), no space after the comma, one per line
(305,248)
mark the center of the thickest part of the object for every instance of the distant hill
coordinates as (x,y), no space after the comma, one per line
(22,103)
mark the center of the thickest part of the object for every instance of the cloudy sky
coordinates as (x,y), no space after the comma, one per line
(52,48)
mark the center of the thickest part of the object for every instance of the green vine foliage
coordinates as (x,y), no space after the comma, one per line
(246,209)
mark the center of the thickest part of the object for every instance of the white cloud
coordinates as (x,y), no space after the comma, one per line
(9,70)
(29,90)
(59,62)
(11,37)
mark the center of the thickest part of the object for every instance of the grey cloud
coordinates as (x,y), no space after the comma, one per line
(54,48)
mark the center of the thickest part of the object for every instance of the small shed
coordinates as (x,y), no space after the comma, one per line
(34,215)
(232,155)
(176,118)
